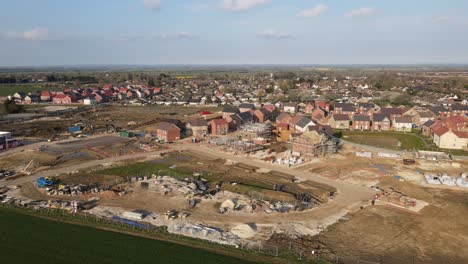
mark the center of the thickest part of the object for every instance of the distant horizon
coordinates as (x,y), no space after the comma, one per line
(232,32)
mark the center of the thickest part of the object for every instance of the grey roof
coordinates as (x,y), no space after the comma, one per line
(303,122)
(248,106)
(245,116)
(230,109)
(361,118)
(346,107)
(460,107)
(379,117)
(198,122)
(429,123)
(166,126)
(340,117)
(404,119)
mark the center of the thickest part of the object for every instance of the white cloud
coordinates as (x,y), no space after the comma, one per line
(35,34)
(156,36)
(274,34)
(314,11)
(241,5)
(439,19)
(154,5)
(360,12)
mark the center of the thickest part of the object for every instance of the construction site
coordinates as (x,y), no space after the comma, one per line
(310,196)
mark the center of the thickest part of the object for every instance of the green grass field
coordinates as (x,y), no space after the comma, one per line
(390,140)
(10,89)
(144,169)
(27,239)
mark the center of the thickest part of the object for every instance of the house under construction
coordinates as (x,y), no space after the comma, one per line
(243,146)
(313,144)
(256,131)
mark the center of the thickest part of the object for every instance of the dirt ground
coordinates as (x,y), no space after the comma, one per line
(438,234)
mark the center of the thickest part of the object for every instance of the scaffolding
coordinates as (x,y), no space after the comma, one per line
(256,130)
(244,146)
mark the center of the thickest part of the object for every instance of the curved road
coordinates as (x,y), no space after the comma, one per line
(349,196)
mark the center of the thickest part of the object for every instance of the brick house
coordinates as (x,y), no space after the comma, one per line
(345,108)
(459,110)
(45,96)
(361,122)
(290,108)
(167,132)
(339,121)
(392,112)
(380,122)
(403,123)
(219,127)
(426,128)
(261,115)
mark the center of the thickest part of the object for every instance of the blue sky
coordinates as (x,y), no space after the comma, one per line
(76,32)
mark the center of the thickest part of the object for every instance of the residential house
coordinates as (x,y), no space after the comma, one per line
(261,115)
(380,122)
(361,122)
(290,108)
(283,118)
(219,127)
(345,108)
(229,110)
(63,99)
(313,144)
(309,108)
(392,112)
(422,117)
(31,99)
(450,139)
(303,124)
(459,110)
(45,96)
(426,128)
(339,121)
(246,107)
(440,111)
(167,132)
(197,128)
(403,123)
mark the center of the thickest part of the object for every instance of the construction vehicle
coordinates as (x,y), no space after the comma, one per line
(171,215)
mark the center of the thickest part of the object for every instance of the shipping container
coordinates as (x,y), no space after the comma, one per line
(74,129)
(126,134)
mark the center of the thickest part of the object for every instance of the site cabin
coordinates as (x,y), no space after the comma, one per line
(339,121)
(380,122)
(219,127)
(403,124)
(89,101)
(361,122)
(167,132)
